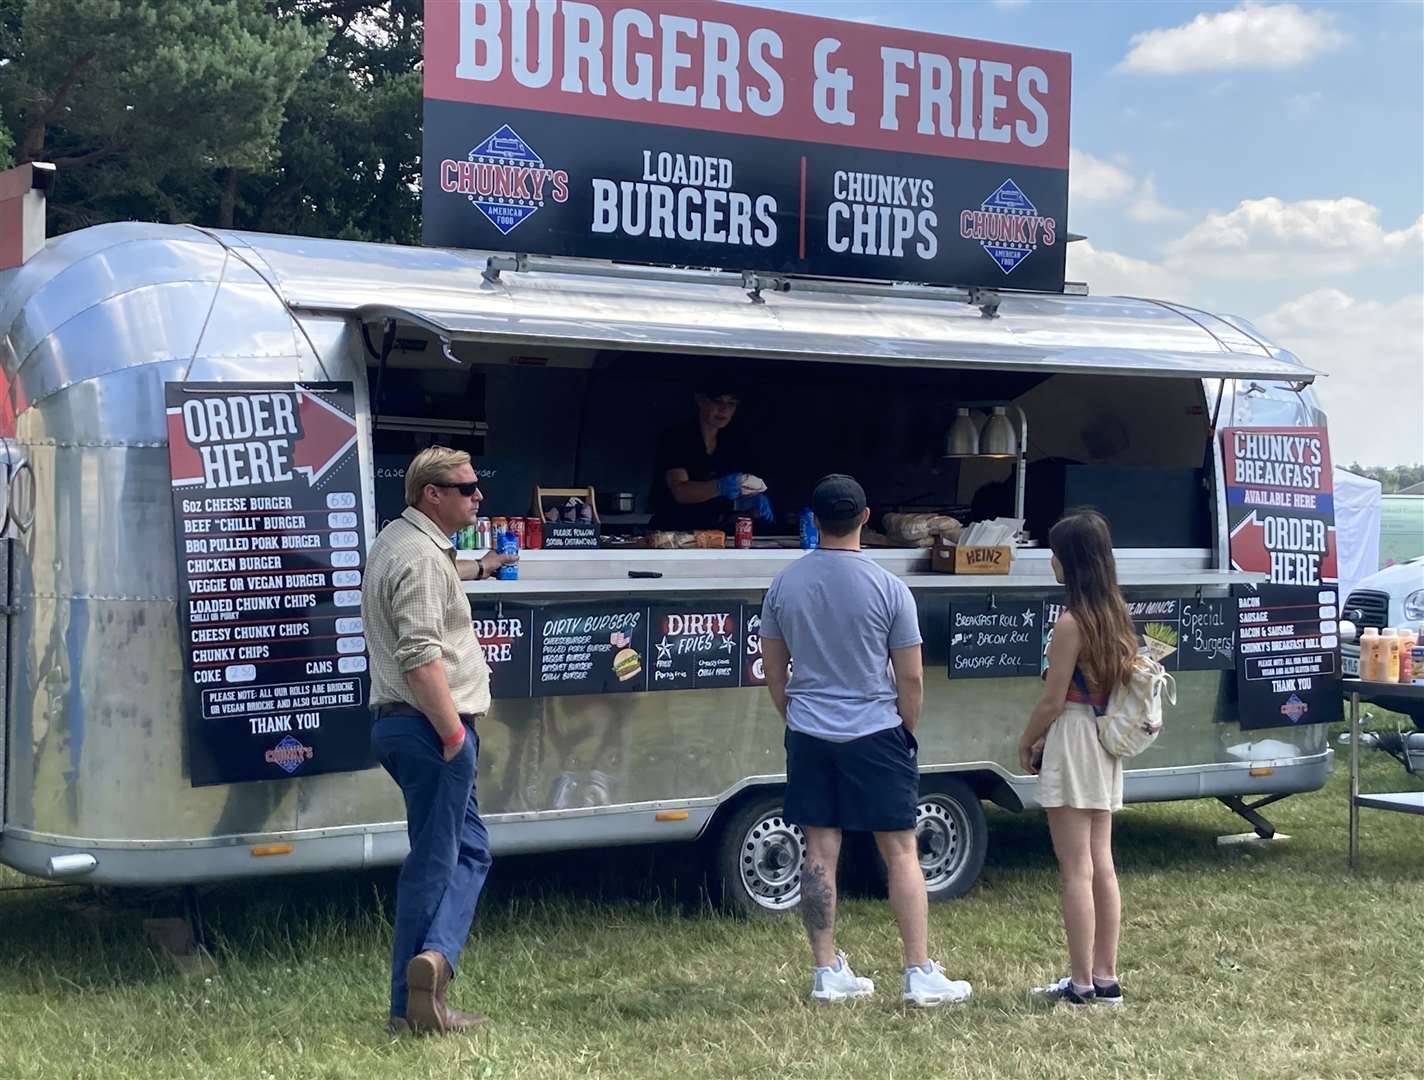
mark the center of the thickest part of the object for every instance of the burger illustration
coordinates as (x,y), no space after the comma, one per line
(627,664)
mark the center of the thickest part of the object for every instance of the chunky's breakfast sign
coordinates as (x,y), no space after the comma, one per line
(713,134)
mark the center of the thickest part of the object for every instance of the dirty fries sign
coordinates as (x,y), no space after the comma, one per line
(721,135)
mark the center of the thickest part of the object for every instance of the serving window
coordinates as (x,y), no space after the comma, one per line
(1137,448)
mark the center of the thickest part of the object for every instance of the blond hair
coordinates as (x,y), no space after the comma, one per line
(431,466)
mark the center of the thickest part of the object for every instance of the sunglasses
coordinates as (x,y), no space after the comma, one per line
(464,489)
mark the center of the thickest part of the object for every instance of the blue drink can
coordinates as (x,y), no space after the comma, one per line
(508,545)
(810,535)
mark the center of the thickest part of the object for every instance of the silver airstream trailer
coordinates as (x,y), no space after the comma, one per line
(559,373)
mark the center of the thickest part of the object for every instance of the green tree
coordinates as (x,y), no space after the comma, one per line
(349,161)
(150,108)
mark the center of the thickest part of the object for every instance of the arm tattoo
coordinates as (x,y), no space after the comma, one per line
(816,901)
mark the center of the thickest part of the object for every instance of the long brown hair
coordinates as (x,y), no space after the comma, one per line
(1083,544)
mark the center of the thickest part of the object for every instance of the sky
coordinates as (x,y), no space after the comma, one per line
(1258,159)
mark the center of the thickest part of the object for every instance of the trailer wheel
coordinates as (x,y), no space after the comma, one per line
(952,837)
(758,860)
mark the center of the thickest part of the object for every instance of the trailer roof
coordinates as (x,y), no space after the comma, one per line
(563,302)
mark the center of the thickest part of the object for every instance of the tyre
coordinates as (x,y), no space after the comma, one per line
(757,861)
(952,837)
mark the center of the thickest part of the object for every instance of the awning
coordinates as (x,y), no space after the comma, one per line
(575,303)
(777,337)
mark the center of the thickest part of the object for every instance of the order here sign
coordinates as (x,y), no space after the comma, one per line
(723,135)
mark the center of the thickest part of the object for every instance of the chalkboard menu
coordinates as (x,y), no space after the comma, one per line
(995,641)
(1158,625)
(269,527)
(1208,634)
(695,647)
(591,650)
(506,633)
(1287,644)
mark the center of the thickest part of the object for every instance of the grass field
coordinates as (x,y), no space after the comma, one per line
(1270,962)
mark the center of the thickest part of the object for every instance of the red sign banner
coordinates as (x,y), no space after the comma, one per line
(1280,504)
(749,71)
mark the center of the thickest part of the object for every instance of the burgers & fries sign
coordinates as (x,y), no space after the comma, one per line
(727,136)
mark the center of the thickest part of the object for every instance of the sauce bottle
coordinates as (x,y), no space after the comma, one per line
(1389,655)
(1369,655)
(1408,639)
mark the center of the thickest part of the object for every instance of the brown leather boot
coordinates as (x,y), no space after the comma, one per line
(426,977)
(456,1020)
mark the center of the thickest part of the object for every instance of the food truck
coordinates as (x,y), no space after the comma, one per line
(205,429)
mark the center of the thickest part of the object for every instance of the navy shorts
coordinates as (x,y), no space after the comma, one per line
(869,784)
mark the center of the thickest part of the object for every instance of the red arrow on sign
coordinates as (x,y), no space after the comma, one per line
(1248,546)
(327,435)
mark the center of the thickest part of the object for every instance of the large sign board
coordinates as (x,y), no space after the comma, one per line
(268,518)
(1280,504)
(1287,671)
(722,135)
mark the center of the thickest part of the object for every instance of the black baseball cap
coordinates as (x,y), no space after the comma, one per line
(837,499)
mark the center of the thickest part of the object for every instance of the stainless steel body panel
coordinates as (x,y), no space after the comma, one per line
(92,327)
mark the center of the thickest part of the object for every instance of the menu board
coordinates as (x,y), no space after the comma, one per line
(1287,670)
(1158,625)
(753,667)
(695,647)
(269,530)
(591,650)
(1208,634)
(506,634)
(995,641)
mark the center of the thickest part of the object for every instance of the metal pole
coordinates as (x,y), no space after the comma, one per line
(1354,779)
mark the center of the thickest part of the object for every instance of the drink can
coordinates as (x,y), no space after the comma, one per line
(509,545)
(744,532)
(467,539)
(810,535)
(499,526)
(1416,664)
(516,526)
(533,533)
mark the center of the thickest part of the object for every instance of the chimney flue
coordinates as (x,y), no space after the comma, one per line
(22,211)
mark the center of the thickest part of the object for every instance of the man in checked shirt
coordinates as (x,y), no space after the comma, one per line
(429,686)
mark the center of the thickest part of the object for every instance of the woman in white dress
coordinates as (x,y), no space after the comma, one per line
(1080,784)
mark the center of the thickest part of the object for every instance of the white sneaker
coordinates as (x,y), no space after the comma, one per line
(839,983)
(930,988)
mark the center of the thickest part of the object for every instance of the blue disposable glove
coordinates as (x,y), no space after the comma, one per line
(729,486)
(758,506)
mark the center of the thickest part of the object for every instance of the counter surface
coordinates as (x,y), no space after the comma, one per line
(605,572)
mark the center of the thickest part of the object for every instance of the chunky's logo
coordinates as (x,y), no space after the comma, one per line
(1008,226)
(289,755)
(1294,709)
(505,179)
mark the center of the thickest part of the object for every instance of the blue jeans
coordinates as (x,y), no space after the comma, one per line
(449,858)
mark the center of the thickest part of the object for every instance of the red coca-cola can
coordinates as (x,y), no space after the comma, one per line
(744,532)
(533,533)
(516,526)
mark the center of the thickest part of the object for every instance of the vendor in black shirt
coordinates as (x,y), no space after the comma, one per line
(702,475)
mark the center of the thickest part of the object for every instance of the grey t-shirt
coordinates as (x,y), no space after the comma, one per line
(840,614)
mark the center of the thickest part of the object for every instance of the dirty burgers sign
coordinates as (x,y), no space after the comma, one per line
(269,535)
(729,136)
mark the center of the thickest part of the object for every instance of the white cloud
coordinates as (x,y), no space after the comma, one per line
(1009,5)
(1110,273)
(1147,207)
(1092,179)
(1373,353)
(1314,237)
(1253,35)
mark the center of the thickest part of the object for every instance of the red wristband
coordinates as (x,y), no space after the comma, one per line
(455,739)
